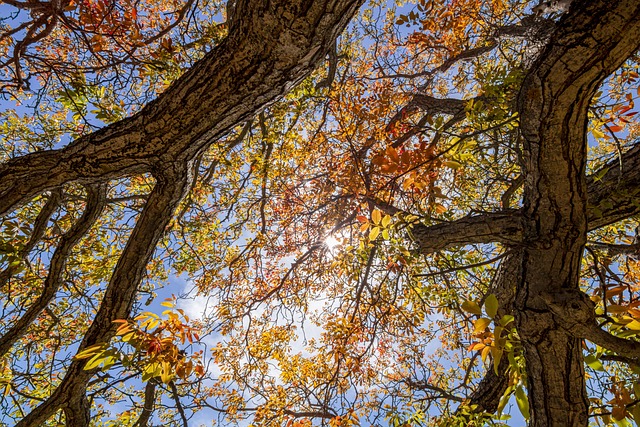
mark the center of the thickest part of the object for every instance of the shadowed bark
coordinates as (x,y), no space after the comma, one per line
(95,205)
(121,291)
(593,40)
(611,198)
(271,47)
(493,386)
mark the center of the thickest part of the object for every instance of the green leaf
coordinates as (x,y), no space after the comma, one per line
(506,319)
(504,400)
(593,362)
(471,307)
(481,324)
(523,402)
(491,306)
(636,414)
(496,353)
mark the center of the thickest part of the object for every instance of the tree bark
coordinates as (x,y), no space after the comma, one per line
(590,43)
(120,294)
(95,204)
(271,47)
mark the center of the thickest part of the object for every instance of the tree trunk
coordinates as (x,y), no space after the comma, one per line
(590,43)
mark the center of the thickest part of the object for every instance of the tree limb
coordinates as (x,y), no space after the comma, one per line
(39,227)
(95,205)
(612,197)
(271,47)
(121,292)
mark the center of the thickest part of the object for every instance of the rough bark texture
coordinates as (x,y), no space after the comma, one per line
(611,197)
(590,43)
(271,47)
(95,205)
(120,293)
(561,204)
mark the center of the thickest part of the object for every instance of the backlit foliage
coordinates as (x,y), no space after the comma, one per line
(301,227)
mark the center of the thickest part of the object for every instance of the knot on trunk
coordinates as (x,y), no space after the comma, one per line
(573,307)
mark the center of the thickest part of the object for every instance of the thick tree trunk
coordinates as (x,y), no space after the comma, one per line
(590,43)
(271,47)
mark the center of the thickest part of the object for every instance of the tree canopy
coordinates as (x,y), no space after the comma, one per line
(331,212)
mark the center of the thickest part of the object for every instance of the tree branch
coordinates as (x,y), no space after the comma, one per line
(503,227)
(492,387)
(39,227)
(95,205)
(611,196)
(272,46)
(120,293)
(149,400)
(576,313)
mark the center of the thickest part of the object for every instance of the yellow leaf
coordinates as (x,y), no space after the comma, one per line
(614,308)
(634,324)
(165,375)
(481,324)
(89,352)
(375,231)
(122,330)
(471,307)
(440,208)
(452,164)
(523,402)
(485,353)
(167,304)
(386,220)
(476,346)
(94,362)
(376,216)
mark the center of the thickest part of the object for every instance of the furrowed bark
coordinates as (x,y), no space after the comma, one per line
(148,405)
(590,43)
(271,47)
(120,294)
(77,413)
(95,205)
(612,197)
(502,227)
(576,310)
